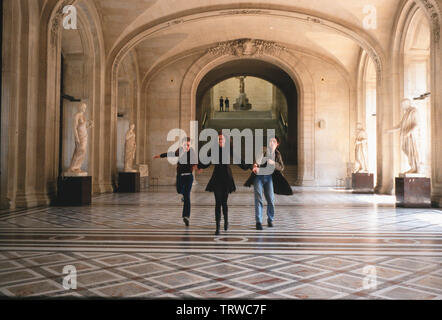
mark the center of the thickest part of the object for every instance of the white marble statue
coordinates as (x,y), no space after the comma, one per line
(129,149)
(361,149)
(81,125)
(409,130)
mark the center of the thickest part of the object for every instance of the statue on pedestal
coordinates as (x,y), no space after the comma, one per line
(129,149)
(242,103)
(409,130)
(81,125)
(361,149)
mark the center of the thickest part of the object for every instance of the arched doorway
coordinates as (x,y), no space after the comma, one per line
(417,84)
(273,98)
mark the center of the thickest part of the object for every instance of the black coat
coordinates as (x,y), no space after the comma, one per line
(222,177)
(280,184)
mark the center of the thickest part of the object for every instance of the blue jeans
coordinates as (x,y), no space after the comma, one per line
(266,183)
(184,187)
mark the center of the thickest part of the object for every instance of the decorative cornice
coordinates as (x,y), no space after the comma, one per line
(246,47)
(243,11)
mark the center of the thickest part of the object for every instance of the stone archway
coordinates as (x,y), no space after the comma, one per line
(280,57)
(432,10)
(51,44)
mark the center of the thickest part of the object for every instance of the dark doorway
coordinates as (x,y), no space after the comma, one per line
(287,125)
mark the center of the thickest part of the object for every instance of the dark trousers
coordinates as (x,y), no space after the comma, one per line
(221,197)
(184,187)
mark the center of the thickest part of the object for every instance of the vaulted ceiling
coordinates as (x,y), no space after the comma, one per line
(122,20)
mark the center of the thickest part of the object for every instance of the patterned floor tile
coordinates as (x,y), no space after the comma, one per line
(79,266)
(97,277)
(428,281)
(311,292)
(49,259)
(264,281)
(302,271)
(322,242)
(223,270)
(381,272)
(17,276)
(119,260)
(409,264)
(41,288)
(189,261)
(9,265)
(146,269)
(217,291)
(261,262)
(401,293)
(334,263)
(127,289)
(347,282)
(179,279)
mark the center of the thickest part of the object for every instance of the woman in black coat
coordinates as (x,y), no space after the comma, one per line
(222,184)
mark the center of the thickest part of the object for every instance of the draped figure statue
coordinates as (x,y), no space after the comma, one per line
(81,125)
(409,130)
(129,149)
(361,149)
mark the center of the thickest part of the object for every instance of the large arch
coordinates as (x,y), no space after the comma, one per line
(299,75)
(433,12)
(270,73)
(306,130)
(49,117)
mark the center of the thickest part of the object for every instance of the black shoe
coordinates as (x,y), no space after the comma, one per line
(226,225)
(259,226)
(186,221)
(269,224)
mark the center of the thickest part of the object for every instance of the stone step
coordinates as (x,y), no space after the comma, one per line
(244,115)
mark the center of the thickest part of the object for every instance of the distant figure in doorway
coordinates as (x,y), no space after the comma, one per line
(268,184)
(184,177)
(221,183)
(221,104)
(227,104)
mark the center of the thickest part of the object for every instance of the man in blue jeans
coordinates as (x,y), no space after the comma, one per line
(184,177)
(263,183)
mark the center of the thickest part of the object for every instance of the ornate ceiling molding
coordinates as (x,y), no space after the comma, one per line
(434,12)
(57,18)
(247,48)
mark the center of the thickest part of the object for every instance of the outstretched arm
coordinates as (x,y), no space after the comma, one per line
(166,155)
(242,164)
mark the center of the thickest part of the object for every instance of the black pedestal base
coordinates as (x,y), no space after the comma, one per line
(363,183)
(129,182)
(413,192)
(74,191)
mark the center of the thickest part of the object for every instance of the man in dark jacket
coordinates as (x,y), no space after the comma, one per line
(269,184)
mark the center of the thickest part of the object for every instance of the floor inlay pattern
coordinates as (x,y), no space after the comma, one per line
(326,244)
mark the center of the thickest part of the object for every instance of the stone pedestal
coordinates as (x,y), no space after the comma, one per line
(74,191)
(413,192)
(363,182)
(129,182)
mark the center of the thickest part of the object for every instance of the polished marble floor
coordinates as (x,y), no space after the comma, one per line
(326,244)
